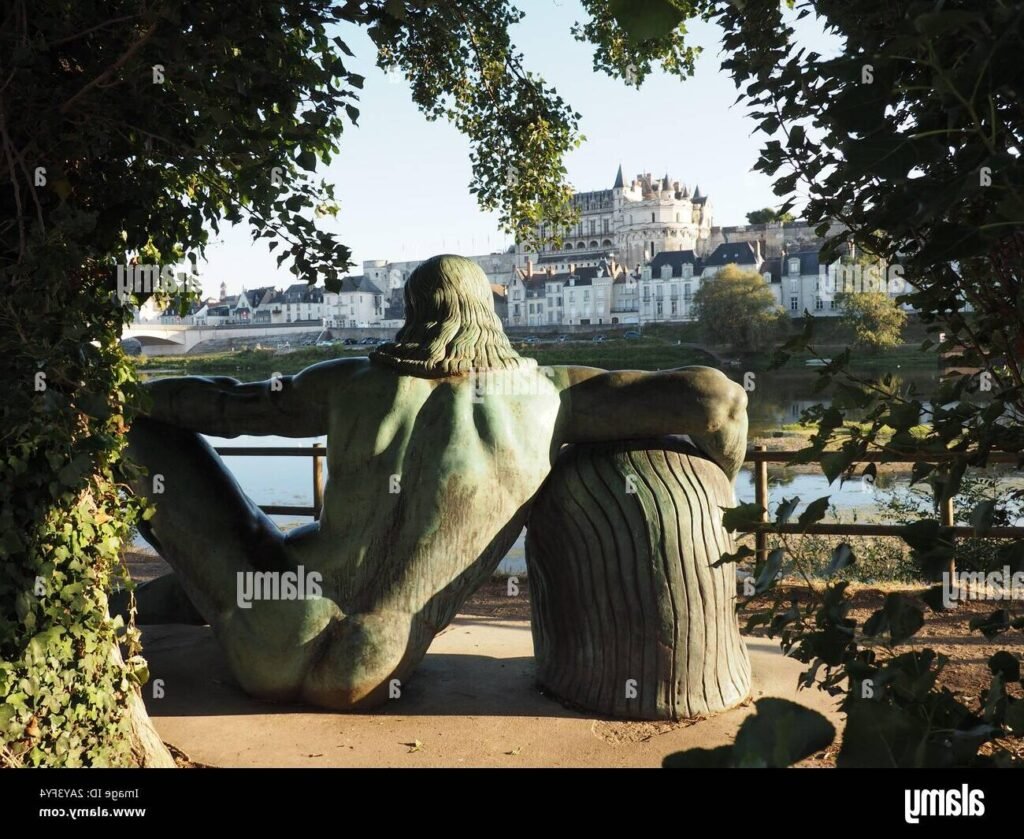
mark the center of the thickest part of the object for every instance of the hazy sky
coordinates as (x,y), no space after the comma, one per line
(402,182)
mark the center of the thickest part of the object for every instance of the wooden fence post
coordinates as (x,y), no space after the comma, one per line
(318,479)
(761,498)
(948,519)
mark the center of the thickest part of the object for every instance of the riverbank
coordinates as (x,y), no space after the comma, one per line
(647,353)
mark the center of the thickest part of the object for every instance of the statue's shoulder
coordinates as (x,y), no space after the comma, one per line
(335,372)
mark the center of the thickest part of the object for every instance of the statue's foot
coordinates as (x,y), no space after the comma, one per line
(282,652)
(363,660)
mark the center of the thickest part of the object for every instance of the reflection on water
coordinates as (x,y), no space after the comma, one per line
(779,397)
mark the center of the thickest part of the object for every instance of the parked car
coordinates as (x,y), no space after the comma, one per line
(632,335)
(348,342)
(598,339)
(561,339)
(324,343)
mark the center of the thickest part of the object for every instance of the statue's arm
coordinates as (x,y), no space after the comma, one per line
(601,405)
(290,406)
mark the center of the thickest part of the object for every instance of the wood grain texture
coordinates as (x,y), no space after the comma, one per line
(630,619)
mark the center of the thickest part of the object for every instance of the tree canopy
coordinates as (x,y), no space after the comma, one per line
(877,321)
(738,308)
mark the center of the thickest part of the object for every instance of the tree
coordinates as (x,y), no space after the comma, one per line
(909,136)
(767,214)
(876,319)
(130,131)
(738,308)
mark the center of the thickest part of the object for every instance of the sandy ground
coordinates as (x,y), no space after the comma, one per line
(473,701)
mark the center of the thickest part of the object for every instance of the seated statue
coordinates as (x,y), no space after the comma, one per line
(436,444)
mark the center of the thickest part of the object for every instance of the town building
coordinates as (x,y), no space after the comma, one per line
(359,303)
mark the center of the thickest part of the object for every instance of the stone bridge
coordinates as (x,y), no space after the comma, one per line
(178,339)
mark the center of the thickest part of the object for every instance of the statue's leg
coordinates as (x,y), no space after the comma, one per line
(226,552)
(204,526)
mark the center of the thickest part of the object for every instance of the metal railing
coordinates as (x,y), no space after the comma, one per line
(759,456)
(317,451)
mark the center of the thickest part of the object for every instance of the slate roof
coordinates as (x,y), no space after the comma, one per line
(808,262)
(303,293)
(740,253)
(676,259)
(361,284)
(773,267)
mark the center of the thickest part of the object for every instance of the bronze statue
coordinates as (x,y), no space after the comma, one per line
(437,445)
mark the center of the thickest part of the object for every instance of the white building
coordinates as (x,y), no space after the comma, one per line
(631,222)
(359,303)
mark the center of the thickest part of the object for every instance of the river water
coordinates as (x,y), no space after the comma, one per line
(775,400)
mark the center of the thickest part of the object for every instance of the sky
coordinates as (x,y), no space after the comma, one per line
(402,182)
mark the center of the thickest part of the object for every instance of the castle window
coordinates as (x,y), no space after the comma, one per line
(652,218)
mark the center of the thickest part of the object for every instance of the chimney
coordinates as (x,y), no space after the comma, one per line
(529,267)
(550,271)
(757,250)
(572,267)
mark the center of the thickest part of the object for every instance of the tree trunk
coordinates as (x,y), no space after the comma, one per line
(630,619)
(148,750)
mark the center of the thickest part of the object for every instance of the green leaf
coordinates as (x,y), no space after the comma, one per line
(766,575)
(786,509)
(902,617)
(982,516)
(1006,665)
(834,464)
(815,511)
(643,20)
(745,517)
(842,557)
(742,552)
(307,160)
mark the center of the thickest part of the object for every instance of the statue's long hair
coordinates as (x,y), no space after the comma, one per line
(450,325)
